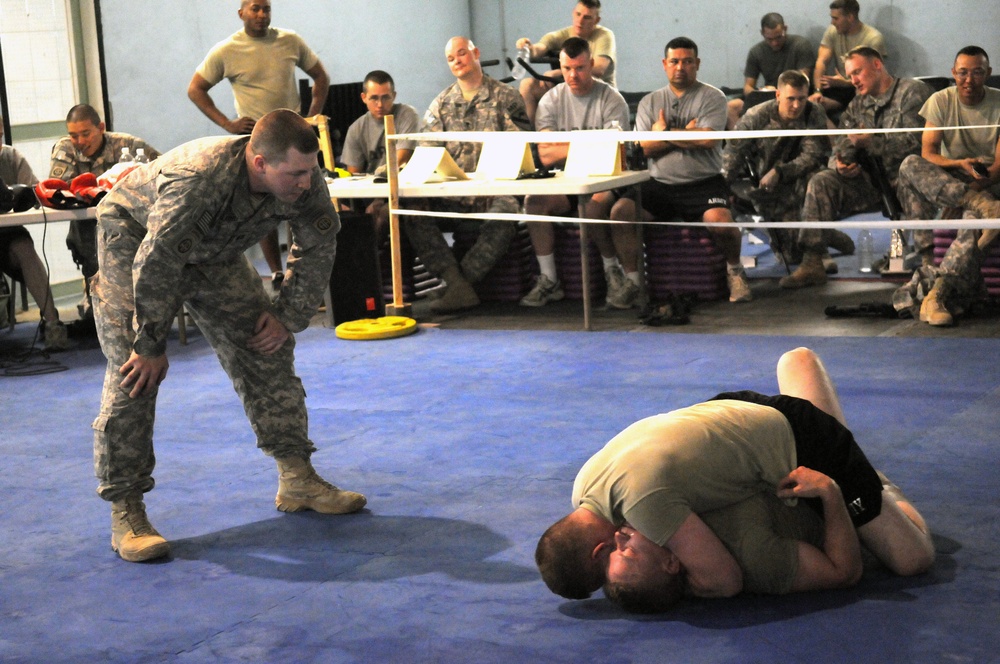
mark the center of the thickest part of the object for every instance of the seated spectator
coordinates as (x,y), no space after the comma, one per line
(586,16)
(89,149)
(848,187)
(687,177)
(364,145)
(784,165)
(777,53)
(475,102)
(18,257)
(958,168)
(581,102)
(845,33)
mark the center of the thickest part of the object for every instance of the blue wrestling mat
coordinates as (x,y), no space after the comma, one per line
(466,444)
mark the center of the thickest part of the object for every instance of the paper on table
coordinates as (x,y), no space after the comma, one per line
(504,159)
(430,164)
(588,158)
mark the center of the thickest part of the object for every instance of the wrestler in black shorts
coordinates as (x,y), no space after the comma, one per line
(825,445)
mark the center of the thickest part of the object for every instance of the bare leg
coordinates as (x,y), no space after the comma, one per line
(24,256)
(542,233)
(801,374)
(719,222)
(898,536)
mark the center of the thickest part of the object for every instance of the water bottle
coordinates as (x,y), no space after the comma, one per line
(866,251)
(140,156)
(519,72)
(126,157)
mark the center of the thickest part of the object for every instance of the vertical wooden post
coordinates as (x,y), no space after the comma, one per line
(398,307)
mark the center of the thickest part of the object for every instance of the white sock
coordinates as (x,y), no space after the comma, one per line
(547,265)
(610,262)
(633,277)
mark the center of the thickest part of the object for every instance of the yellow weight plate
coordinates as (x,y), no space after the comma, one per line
(387,327)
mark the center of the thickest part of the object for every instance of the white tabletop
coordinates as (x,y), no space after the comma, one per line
(365,187)
(45,214)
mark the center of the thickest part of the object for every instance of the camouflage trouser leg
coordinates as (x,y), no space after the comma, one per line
(493,241)
(923,189)
(830,196)
(123,429)
(783,204)
(429,244)
(225,300)
(960,271)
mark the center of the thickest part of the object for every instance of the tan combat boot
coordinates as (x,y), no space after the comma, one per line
(132,536)
(458,295)
(810,272)
(300,488)
(933,311)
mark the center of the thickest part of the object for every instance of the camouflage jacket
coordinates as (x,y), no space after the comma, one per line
(898,107)
(193,205)
(496,107)
(67,162)
(794,157)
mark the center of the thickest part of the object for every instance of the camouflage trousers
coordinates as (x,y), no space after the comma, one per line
(959,278)
(831,196)
(491,245)
(225,300)
(924,190)
(783,203)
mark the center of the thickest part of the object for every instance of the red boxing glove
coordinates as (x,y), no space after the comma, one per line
(55,193)
(85,188)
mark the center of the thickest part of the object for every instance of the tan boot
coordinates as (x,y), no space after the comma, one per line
(933,311)
(457,296)
(983,204)
(132,536)
(810,272)
(301,488)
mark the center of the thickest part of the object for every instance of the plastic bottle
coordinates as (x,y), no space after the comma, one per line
(140,156)
(519,72)
(126,157)
(866,251)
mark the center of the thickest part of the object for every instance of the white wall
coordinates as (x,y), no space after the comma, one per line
(922,36)
(152,49)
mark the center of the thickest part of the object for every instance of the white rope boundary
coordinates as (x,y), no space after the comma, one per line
(604,136)
(612,135)
(908,224)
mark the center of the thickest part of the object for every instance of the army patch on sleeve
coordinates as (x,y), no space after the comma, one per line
(58,171)
(323,223)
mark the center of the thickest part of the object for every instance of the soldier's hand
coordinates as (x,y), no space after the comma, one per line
(848,170)
(270,334)
(661,123)
(770,180)
(805,483)
(143,374)
(241,126)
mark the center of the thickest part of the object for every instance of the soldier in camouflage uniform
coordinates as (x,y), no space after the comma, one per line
(784,165)
(88,149)
(173,232)
(475,102)
(946,176)
(882,102)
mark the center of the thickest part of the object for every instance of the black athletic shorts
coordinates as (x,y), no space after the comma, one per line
(689,201)
(823,444)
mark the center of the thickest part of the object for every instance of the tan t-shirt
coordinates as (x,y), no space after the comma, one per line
(842,44)
(660,469)
(602,44)
(944,109)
